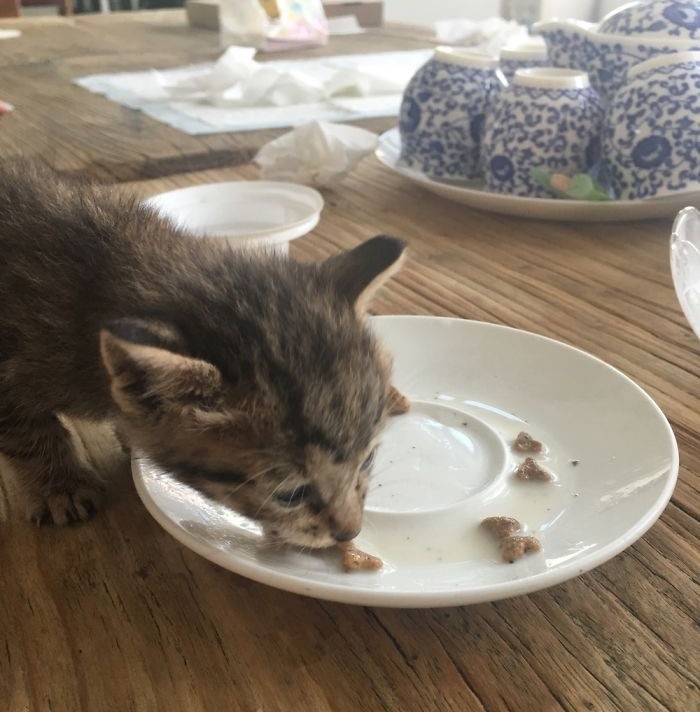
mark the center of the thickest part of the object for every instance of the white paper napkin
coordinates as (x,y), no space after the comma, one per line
(226,95)
(236,79)
(488,35)
(317,153)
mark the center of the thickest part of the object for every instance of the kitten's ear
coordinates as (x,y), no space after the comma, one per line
(147,332)
(148,378)
(360,272)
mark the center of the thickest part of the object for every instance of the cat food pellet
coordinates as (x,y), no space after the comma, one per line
(356,560)
(513,547)
(530,470)
(574,463)
(524,442)
(501,527)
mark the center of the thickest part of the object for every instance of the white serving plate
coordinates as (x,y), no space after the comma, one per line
(447,464)
(246,213)
(389,151)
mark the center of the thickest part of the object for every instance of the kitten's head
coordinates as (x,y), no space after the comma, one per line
(267,393)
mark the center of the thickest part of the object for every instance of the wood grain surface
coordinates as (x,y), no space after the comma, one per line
(84,133)
(116,615)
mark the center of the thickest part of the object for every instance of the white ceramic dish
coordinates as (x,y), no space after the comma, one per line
(685,264)
(389,151)
(447,464)
(246,213)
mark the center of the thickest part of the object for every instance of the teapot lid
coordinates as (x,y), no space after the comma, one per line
(673,19)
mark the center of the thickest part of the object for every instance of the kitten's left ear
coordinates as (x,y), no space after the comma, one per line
(360,272)
(148,379)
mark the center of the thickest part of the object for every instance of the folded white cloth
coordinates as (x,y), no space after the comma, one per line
(317,153)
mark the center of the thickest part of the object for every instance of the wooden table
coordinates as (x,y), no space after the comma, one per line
(116,615)
(82,132)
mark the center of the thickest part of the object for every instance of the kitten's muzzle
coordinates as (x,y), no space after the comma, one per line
(345,535)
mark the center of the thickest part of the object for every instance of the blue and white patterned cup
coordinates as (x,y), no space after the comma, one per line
(443,110)
(549,118)
(651,140)
(529,53)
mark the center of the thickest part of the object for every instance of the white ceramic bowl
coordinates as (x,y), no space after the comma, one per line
(685,264)
(258,214)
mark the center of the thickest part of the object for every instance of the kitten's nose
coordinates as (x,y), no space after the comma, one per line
(346,535)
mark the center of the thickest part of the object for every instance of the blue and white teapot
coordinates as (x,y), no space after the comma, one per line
(630,35)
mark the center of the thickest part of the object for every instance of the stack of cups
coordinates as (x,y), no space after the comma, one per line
(461,120)
(550,119)
(443,112)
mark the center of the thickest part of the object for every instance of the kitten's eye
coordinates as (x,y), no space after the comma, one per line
(293,498)
(369,461)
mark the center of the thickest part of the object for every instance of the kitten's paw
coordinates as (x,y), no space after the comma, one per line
(398,403)
(76,502)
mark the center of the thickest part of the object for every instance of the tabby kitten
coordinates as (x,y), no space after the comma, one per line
(253,378)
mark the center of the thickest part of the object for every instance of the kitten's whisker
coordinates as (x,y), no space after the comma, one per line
(271,495)
(253,477)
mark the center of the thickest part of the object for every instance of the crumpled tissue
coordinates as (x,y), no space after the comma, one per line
(488,35)
(236,79)
(318,153)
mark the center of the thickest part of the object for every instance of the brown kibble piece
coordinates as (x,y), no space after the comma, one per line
(513,547)
(501,527)
(526,443)
(356,560)
(398,403)
(530,470)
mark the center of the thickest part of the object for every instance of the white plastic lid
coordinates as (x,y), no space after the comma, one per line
(551,78)
(263,212)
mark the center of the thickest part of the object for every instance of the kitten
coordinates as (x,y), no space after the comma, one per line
(252,378)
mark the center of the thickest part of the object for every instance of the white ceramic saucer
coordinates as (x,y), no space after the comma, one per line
(259,213)
(389,151)
(447,464)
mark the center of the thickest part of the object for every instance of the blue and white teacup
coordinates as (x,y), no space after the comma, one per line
(550,118)
(523,55)
(651,141)
(443,111)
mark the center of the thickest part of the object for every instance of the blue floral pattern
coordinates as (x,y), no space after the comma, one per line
(442,116)
(606,60)
(651,140)
(658,17)
(553,129)
(510,66)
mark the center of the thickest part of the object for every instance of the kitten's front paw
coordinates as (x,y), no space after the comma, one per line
(75,501)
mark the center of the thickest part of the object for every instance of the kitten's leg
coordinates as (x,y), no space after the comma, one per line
(122,439)
(56,486)
(398,403)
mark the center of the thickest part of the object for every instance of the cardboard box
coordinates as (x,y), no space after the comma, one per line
(369,13)
(203,13)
